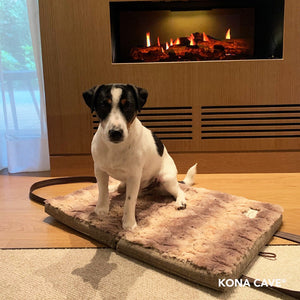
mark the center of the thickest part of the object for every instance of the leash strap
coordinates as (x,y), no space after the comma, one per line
(288,236)
(253,282)
(55,181)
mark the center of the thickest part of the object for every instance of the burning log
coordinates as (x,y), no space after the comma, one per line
(196,47)
(238,47)
(195,53)
(148,54)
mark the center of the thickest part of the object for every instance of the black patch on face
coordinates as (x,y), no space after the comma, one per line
(99,98)
(140,95)
(127,104)
(159,145)
(103,102)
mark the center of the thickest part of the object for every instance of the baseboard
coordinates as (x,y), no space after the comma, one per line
(208,163)
(239,162)
(71,165)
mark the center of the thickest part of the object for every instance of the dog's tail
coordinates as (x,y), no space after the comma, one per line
(190,175)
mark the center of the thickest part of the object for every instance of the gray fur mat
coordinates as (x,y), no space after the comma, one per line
(215,237)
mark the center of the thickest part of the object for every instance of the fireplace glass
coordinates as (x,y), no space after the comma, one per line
(168,31)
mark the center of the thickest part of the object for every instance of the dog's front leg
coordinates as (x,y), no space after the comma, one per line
(132,190)
(102,206)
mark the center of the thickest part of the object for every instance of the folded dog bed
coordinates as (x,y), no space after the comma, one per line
(214,238)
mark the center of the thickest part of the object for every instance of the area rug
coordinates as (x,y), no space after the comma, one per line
(214,238)
(104,274)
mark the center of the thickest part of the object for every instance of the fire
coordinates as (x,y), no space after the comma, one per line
(205,38)
(191,38)
(148,39)
(228,37)
(191,47)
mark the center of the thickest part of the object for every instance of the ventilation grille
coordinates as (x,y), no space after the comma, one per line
(95,123)
(250,121)
(168,123)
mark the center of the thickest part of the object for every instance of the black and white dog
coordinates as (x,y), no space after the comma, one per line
(127,151)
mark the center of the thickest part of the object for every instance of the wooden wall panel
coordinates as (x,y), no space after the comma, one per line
(76,49)
(208,163)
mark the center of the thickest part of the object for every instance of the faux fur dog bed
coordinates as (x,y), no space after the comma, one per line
(215,237)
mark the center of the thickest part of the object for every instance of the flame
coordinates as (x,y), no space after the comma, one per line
(191,38)
(158,42)
(177,41)
(205,38)
(171,42)
(162,50)
(228,37)
(167,45)
(148,39)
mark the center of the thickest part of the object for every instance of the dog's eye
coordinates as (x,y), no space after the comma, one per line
(124,102)
(106,102)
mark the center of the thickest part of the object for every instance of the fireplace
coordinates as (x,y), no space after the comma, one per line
(196,30)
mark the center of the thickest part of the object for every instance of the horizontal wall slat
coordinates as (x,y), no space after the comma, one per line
(165,117)
(256,123)
(251,134)
(169,125)
(171,130)
(166,114)
(248,128)
(251,109)
(164,137)
(253,116)
(251,137)
(262,106)
(248,112)
(168,108)
(182,121)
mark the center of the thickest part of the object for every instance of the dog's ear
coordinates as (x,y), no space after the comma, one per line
(90,95)
(141,96)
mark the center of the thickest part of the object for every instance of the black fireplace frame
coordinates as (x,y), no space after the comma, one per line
(269,21)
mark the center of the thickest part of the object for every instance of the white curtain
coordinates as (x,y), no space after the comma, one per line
(23,131)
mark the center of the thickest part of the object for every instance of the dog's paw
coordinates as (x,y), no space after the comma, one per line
(183,206)
(102,210)
(180,203)
(129,224)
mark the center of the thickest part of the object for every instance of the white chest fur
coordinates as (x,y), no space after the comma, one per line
(137,153)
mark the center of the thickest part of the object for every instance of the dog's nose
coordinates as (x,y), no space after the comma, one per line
(115,135)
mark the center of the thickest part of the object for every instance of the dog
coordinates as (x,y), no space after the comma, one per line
(127,151)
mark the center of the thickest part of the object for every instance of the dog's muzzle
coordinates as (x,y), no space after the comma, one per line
(116,135)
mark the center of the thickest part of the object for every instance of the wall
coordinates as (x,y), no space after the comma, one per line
(76,50)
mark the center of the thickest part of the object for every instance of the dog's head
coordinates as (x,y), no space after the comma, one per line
(116,106)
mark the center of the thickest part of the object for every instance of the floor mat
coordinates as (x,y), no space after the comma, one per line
(213,239)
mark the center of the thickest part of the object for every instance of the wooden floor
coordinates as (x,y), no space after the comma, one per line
(24,224)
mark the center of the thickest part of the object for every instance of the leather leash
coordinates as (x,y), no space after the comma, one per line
(55,181)
(253,282)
